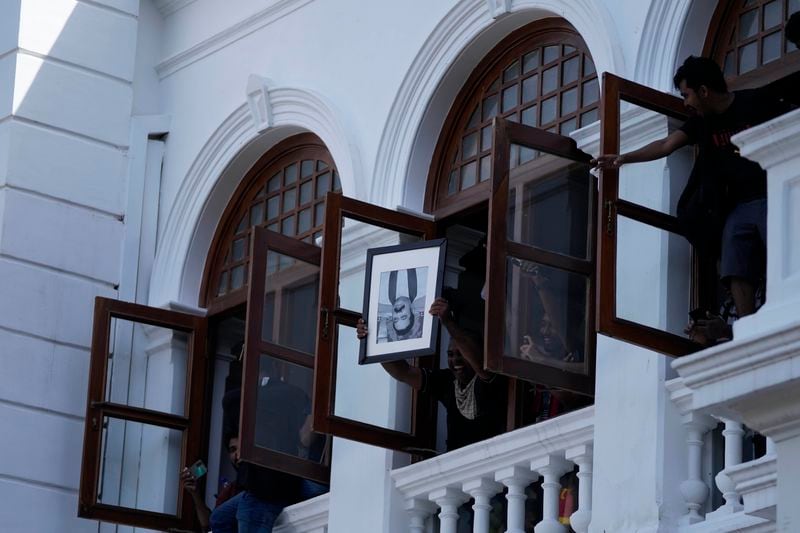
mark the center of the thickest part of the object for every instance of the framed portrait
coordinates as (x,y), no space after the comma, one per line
(400,284)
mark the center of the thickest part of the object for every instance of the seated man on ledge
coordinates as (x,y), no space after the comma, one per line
(475,400)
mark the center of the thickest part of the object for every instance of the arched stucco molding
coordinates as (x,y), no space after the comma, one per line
(673,30)
(218,168)
(444,62)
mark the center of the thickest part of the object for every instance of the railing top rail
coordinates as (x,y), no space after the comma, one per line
(482,459)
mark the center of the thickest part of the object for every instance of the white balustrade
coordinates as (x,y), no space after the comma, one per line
(733,434)
(514,460)
(310,516)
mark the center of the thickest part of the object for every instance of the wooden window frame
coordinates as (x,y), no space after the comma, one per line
(421,439)
(192,425)
(264,241)
(616,90)
(499,248)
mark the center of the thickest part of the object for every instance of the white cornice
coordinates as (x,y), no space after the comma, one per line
(773,142)
(168,7)
(233,33)
(517,448)
(658,47)
(310,515)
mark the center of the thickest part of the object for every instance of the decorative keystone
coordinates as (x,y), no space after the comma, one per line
(258,100)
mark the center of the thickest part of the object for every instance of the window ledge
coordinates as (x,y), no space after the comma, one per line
(309,516)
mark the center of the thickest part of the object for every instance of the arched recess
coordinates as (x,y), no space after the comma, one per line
(450,54)
(223,161)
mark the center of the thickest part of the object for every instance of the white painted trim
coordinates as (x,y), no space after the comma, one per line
(308,516)
(293,110)
(460,28)
(228,36)
(773,142)
(168,7)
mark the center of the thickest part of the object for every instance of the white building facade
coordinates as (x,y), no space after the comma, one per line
(134,135)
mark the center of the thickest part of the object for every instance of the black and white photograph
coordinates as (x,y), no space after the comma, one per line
(401,281)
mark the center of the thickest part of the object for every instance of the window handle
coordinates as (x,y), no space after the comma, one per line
(323,316)
(609,218)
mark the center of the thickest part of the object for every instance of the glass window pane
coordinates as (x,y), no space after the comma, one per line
(653,276)
(272,207)
(569,70)
(349,397)
(306,190)
(274,183)
(489,107)
(773,12)
(551,206)
(569,101)
(304,221)
(283,405)
(306,168)
(290,174)
(237,277)
(257,214)
(486,167)
(526,154)
(550,80)
(351,281)
(568,126)
(591,93)
(222,287)
(771,47)
(321,165)
(588,66)
(469,146)
(319,214)
(794,6)
(654,184)
(530,88)
(323,184)
(289,200)
(486,138)
(140,466)
(468,175)
(143,356)
(510,98)
(238,249)
(512,72)
(529,116)
(748,24)
(729,69)
(452,182)
(530,61)
(748,60)
(337,184)
(287,226)
(290,317)
(242,225)
(494,86)
(589,117)
(551,53)
(274,227)
(473,119)
(546,312)
(548,110)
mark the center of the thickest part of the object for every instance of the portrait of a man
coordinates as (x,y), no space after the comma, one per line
(401,309)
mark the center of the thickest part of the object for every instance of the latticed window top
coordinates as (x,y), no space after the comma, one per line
(749,35)
(547,80)
(284,193)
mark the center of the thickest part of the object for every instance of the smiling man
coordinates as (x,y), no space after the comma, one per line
(723,209)
(475,400)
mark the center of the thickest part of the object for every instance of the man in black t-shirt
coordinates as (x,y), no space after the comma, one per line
(723,208)
(475,399)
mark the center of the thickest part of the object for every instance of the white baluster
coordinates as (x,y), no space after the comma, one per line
(694,489)
(516,478)
(582,456)
(733,456)
(448,499)
(551,468)
(419,510)
(481,490)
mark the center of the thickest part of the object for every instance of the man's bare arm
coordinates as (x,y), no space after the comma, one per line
(399,370)
(650,152)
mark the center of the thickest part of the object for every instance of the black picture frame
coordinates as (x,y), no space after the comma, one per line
(387,266)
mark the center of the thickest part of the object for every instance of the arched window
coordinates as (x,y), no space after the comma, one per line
(283,192)
(746,38)
(541,75)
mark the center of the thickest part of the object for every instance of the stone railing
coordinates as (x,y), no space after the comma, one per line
(310,516)
(513,461)
(748,488)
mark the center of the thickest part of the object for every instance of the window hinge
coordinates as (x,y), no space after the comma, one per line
(609,218)
(324,321)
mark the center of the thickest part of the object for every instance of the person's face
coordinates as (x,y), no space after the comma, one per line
(550,341)
(694,100)
(233,450)
(458,365)
(401,314)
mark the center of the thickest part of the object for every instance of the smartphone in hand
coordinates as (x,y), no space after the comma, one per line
(198,469)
